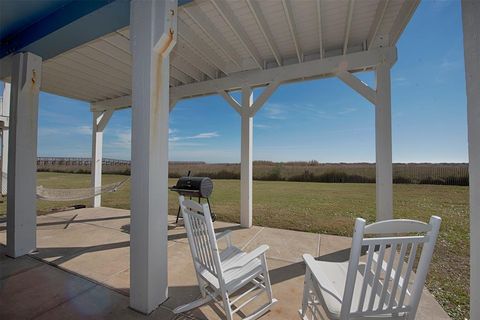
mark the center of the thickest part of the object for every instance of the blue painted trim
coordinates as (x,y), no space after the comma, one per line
(51,23)
(71,26)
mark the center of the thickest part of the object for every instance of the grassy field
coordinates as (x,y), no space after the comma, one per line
(329,208)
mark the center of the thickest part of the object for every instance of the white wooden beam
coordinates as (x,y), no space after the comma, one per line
(189,36)
(402,19)
(287,7)
(289,73)
(257,78)
(103,120)
(22,157)
(377,22)
(231,101)
(383,144)
(319,27)
(357,85)
(471,45)
(115,103)
(246,162)
(351,4)
(153,27)
(263,26)
(231,19)
(264,96)
(204,23)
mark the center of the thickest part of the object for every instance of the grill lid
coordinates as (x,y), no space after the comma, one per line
(201,186)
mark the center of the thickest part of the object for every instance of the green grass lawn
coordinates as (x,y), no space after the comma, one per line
(328,208)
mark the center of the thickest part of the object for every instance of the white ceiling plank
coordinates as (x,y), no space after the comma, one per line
(179,63)
(187,34)
(197,61)
(287,7)
(57,88)
(232,20)
(320,30)
(113,52)
(263,26)
(85,61)
(204,23)
(88,78)
(50,76)
(402,19)
(79,80)
(97,76)
(104,59)
(179,75)
(351,5)
(120,41)
(377,22)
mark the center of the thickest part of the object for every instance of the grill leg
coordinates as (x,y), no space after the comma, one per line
(214,217)
(178,215)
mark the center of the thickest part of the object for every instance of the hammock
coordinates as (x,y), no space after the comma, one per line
(50,194)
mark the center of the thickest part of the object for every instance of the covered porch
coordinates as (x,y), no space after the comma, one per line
(147,55)
(82,269)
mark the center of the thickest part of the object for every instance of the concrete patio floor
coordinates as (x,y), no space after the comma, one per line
(81,269)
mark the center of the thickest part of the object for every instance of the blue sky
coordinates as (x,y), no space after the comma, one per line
(322,120)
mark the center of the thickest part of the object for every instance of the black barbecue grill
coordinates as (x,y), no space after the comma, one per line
(194,187)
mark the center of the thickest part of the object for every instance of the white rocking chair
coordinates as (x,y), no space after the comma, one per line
(381,287)
(221,273)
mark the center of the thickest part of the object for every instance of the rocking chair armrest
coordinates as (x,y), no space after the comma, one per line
(225,234)
(249,257)
(320,277)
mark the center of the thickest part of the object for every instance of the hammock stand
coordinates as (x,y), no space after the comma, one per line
(50,194)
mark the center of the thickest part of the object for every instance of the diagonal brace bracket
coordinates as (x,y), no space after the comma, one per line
(357,85)
(255,106)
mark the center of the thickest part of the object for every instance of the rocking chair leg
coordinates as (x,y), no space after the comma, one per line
(227,307)
(268,285)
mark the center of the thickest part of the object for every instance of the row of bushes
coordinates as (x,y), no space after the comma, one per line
(275,174)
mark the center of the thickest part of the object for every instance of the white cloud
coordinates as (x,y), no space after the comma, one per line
(203,135)
(262,126)
(87,130)
(346,111)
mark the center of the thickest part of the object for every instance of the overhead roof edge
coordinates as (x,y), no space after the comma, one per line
(70,26)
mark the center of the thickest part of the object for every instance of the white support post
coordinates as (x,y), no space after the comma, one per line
(100,120)
(246,162)
(383,144)
(153,31)
(471,45)
(4,115)
(22,166)
(5,133)
(247,110)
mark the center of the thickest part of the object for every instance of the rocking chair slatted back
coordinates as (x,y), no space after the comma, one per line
(203,246)
(386,288)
